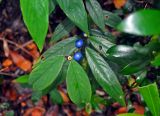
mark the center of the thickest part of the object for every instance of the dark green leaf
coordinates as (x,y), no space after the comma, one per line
(100,44)
(128,58)
(56,97)
(135,66)
(35,14)
(46,72)
(62,30)
(111,19)
(96,12)
(75,11)
(105,76)
(156,61)
(22,79)
(36,96)
(124,51)
(65,47)
(78,85)
(52,5)
(143,22)
(151,97)
(62,75)
(105,35)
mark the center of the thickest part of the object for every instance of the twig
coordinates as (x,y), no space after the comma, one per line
(20,47)
(25,44)
(22,100)
(7,74)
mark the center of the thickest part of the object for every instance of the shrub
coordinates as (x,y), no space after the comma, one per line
(98,61)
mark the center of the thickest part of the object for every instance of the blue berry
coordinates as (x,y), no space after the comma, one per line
(78,56)
(79,43)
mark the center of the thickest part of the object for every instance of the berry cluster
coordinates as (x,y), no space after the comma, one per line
(79,44)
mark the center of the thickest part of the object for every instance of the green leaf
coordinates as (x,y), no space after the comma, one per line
(156,61)
(35,14)
(56,96)
(128,58)
(130,114)
(100,44)
(75,11)
(65,47)
(143,22)
(52,5)
(123,51)
(96,12)
(46,72)
(9,113)
(22,79)
(135,66)
(78,85)
(111,19)
(105,76)
(62,30)
(36,96)
(151,97)
(106,35)
(62,75)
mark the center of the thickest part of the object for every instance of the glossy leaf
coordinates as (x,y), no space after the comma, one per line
(143,22)
(46,72)
(128,58)
(62,30)
(22,79)
(111,19)
(100,44)
(65,47)
(35,14)
(156,61)
(106,35)
(135,66)
(56,96)
(130,114)
(96,12)
(105,76)
(122,51)
(75,11)
(151,97)
(52,5)
(78,85)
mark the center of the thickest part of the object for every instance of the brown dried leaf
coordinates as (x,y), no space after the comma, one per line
(7,63)
(20,61)
(138,108)
(6,48)
(36,111)
(119,3)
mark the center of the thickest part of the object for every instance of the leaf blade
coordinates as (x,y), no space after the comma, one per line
(78,85)
(142,22)
(96,12)
(151,97)
(75,11)
(65,47)
(44,74)
(105,76)
(35,14)
(62,30)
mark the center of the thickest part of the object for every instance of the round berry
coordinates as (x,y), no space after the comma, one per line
(78,56)
(79,43)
